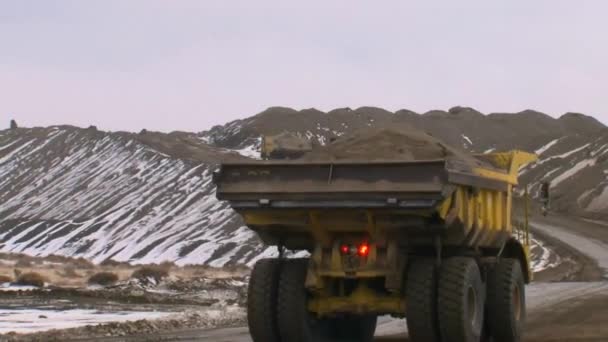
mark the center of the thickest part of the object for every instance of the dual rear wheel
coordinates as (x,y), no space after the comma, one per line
(451,303)
(445,304)
(278,312)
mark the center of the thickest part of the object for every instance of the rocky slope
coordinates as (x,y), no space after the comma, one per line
(148,197)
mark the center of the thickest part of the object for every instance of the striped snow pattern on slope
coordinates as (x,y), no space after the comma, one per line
(577,169)
(98,195)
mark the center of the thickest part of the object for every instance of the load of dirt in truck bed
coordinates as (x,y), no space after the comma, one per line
(394,143)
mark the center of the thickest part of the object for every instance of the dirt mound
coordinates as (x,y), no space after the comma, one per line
(397,142)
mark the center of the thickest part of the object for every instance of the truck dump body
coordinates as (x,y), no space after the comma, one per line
(289,201)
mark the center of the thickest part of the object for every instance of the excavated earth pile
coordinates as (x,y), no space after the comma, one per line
(401,142)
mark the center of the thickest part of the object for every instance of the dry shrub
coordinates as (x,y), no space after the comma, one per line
(197,270)
(239,268)
(83,263)
(31,279)
(70,272)
(24,262)
(5,279)
(76,262)
(153,271)
(113,263)
(59,259)
(168,265)
(103,279)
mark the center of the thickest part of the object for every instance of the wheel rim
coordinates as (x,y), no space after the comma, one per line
(516,299)
(472,306)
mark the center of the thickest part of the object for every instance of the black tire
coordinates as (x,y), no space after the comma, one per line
(355,328)
(461,297)
(421,294)
(262,301)
(506,307)
(296,323)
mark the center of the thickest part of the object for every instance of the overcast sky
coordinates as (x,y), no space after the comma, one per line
(187,65)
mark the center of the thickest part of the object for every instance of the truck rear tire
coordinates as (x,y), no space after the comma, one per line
(262,301)
(297,324)
(421,294)
(461,297)
(506,307)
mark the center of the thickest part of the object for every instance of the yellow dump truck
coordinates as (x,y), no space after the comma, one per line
(429,240)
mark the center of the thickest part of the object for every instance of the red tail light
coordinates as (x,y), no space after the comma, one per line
(344,249)
(363,250)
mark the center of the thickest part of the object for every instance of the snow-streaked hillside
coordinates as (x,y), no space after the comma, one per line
(97,195)
(577,168)
(148,197)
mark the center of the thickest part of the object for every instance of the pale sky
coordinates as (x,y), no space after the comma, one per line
(189,64)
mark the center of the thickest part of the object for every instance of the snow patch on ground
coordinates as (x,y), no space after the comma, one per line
(600,202)
(546,147)
(574,170)
(560,156)
(467,140)
(543,259)
(7,287)
(250,151)
(34,320)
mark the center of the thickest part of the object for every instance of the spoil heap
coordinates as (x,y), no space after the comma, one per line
(394,143)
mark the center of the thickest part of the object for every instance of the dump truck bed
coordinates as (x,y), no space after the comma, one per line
(290,201)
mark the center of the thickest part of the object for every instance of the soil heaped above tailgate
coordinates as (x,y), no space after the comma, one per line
(397,143)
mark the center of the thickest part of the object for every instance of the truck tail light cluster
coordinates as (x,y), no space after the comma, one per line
(362,250)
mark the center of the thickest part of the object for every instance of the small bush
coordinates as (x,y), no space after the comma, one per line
(23,263)
(168,265)
(150,272)
(76,262)
(5,279)
(59,259)
(103,279)
(112,263)
(31,279)
(69,272)
(83,263)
